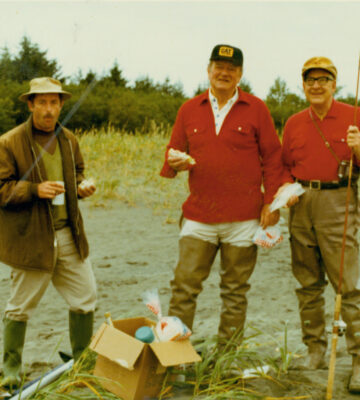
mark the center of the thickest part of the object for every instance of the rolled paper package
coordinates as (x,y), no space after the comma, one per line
(294,189)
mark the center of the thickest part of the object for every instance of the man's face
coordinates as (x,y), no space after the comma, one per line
(319,94)
(224,75)
(46,110)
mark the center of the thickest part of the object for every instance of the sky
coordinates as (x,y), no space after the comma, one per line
(174,39)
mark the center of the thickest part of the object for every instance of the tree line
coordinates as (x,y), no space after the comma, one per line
(110,99)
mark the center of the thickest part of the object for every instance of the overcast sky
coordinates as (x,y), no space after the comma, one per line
(174,38)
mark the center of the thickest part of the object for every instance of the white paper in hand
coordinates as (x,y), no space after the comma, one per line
(295,189)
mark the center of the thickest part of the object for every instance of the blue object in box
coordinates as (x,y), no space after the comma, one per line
(145,334)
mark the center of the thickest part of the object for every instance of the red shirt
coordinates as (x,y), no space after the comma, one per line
(304,152)
(225,183)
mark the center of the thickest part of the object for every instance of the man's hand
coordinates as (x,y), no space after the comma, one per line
(178,163)
(86,188)
(293,199)
(353,139)
(268,218)
(49,189)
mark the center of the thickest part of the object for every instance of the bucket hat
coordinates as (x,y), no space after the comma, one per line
(45,85)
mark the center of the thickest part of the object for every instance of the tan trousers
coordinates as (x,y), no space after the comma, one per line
(195,260)
(316,228)
(72,278)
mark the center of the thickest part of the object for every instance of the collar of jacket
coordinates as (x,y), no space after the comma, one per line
(38,159)
(67,159)
(68,165)
(334,112)
(243,97)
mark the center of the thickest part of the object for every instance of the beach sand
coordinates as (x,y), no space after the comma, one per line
(132,251)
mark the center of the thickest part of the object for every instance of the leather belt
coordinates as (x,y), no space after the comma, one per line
(318,185)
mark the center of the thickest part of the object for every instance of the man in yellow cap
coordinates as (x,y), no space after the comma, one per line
(42,235)
(317,145)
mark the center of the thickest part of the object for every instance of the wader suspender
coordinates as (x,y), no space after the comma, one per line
(327,144)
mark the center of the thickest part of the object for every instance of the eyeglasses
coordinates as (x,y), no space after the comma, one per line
(322,80)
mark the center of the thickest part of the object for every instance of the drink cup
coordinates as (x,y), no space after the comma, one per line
(59,200)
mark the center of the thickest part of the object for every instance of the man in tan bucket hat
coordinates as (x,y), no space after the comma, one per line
(317,145)
(42,236)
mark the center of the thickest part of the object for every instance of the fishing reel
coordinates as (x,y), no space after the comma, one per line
(341,327)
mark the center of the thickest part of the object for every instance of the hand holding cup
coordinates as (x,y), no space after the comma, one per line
(50,190)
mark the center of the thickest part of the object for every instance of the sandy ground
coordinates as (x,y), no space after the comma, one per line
(132,251)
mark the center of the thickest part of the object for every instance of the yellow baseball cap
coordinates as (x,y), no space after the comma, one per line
(319,63)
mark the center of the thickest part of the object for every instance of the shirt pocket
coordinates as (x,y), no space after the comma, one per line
(195,134)
(340,147)
(242,136)
(194,130)
(297,148)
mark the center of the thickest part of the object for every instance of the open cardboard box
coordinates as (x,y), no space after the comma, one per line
(136,370)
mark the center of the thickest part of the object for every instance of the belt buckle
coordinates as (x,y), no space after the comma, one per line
(315,185)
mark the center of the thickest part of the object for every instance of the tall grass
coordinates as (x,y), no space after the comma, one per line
(126,167)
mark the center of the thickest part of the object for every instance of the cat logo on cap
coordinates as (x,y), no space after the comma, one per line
(226,51)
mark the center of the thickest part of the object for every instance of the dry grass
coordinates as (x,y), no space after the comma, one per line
(126,167)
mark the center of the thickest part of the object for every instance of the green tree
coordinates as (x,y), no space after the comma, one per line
(349,99)
(175,90)
(202,87)
(115,77)
(144,84)
(6,65)
(31,62)
(90,77)
(282,103)
(246,86)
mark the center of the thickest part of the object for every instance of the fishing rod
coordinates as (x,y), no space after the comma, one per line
(335,330)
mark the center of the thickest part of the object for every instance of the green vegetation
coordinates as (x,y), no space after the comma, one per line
(110,99)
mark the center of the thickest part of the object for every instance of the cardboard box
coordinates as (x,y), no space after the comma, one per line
(136,370)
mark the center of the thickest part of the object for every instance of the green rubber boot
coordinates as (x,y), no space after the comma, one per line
(81,329)
(14,338)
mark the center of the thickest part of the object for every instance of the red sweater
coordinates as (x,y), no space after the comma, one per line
(225,183)
(304,152)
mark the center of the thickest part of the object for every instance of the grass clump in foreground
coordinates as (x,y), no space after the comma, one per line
(221,375)
(237,369)
(126,167)
(77,383)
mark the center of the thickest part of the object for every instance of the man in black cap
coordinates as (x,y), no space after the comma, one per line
(226,139)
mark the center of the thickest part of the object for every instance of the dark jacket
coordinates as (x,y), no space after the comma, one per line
(27,235)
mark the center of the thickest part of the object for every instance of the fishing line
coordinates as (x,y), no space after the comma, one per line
(67,118)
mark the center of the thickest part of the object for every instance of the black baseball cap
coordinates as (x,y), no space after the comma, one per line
(224,52)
